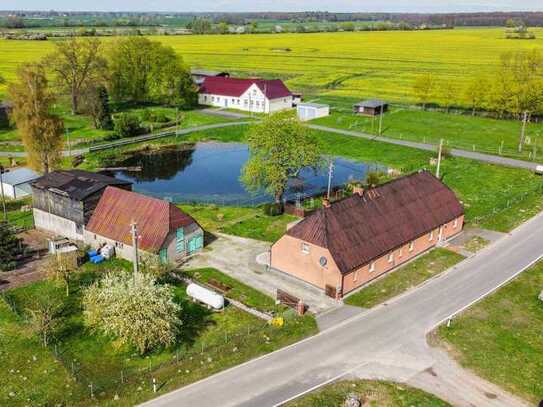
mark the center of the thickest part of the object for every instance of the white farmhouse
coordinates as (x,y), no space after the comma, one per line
(251,95)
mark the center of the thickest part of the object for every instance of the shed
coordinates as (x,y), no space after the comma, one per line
(372,107)
(16,183)
(310,111)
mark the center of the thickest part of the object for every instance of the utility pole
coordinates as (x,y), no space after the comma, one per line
(134,232)
(3,196)
(523,132)
(439,158)
(330,173)
(381,122)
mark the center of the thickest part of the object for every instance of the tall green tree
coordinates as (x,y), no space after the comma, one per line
(95,103)
(45,310)
(40,130)
(476,93)
(134,309)
(141,70)
(280,147)
(76,63)
(10,247)
(446,93)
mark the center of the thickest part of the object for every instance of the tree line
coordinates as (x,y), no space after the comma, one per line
(131,70)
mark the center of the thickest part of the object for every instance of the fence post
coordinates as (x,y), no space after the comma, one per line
(91,391)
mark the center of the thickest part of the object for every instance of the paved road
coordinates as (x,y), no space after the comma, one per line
(387,341)
(489,158)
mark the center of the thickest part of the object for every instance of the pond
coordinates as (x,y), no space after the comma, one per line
(209,173)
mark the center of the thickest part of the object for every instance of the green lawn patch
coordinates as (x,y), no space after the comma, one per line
(209,342)
(406,277)
(475,244)
(18,218)
(239,291)
(500,337)
(371,393)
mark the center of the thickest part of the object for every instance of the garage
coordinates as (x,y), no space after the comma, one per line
(310,111)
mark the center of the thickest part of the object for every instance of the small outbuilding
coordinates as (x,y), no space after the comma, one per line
(372,107)
(16,183)
(310,111)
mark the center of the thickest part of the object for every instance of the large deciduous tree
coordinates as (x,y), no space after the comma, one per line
(280,147)
(76,63)
(134,309)
(423,88)
(45,311)
(141,70)
(40,130)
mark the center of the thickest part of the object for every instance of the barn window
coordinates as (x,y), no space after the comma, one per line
(455,224)
(400,253)
(431,236)
(391,257)
(180,240)
(411,246)
(372,267)
(305,248)
(355,275)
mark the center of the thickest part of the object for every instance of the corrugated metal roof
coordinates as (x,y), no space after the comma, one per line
(373,103)
(77,184)
(19,176)
(155,218)
(315,105)
(361,228)
(236,87)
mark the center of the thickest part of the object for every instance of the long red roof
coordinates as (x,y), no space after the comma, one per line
(155,218)
(235,87)
(362,228)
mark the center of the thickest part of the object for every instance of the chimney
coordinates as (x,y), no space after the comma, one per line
(358,190)
(326,203)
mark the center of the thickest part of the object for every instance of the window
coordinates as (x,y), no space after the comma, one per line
(205,98)
(212,98)
(411,246)
(455,224)
(355,275)
(245,102)
(119,245)
(79,229)
(233,100)
(431,236)
(94,237)
(163,254)
(305,248)
(372,267)
(180,240)
(391,258)
(400,253)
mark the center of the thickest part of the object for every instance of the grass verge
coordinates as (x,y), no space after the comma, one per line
(406,277)
(500,337)
(371,393)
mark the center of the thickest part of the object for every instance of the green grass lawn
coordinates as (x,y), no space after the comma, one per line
(17,217)
(405,278)
(458,131)
(248,222)
(209,342)
(374,393)
(475,244)
(239,291)
(500,337)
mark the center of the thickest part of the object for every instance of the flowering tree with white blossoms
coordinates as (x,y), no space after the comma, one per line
(134,309)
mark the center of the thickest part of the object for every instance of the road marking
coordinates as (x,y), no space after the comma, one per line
(333,379)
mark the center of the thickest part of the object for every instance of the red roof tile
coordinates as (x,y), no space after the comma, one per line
(359,229)
(155,218)
(235,87)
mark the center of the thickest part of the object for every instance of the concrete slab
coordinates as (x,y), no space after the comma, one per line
(237,257)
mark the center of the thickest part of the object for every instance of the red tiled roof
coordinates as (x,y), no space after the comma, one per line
(155,218)
(235,87)
(362,228)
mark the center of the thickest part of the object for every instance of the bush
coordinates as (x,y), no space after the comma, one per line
(127,125)
(272,209)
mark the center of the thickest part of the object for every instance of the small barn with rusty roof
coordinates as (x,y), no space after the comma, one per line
(251,95)
(350,242)
(163,229)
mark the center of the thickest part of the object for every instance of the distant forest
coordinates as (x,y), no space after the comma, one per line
(60,18)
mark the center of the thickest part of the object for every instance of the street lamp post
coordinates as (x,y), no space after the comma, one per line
(2,192)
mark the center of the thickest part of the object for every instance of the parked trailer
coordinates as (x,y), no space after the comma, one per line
(206,296)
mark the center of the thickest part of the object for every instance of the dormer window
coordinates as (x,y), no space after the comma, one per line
(305,248)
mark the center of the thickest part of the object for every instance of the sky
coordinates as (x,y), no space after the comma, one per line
(414,6)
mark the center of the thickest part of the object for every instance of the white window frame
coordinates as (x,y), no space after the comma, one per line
(372,267)
(455,223)
(400,252)
(355,278)
(305,248)
(391,257)
(411,246)
(431,236)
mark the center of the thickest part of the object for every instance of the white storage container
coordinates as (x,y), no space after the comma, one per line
(206,296)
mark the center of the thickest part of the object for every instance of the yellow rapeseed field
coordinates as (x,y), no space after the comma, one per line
(360,64)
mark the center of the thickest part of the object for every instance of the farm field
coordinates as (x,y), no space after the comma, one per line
(361,64)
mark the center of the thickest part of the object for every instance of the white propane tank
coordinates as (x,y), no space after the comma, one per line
(206,296)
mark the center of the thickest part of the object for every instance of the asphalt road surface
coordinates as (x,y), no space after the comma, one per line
(391,336)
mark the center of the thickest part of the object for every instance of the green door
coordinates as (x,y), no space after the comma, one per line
(163,256)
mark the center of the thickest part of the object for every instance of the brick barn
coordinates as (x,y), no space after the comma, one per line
(349,243)
(164,230)
(251,95)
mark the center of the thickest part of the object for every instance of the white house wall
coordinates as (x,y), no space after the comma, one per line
(9,191)
(56,225)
